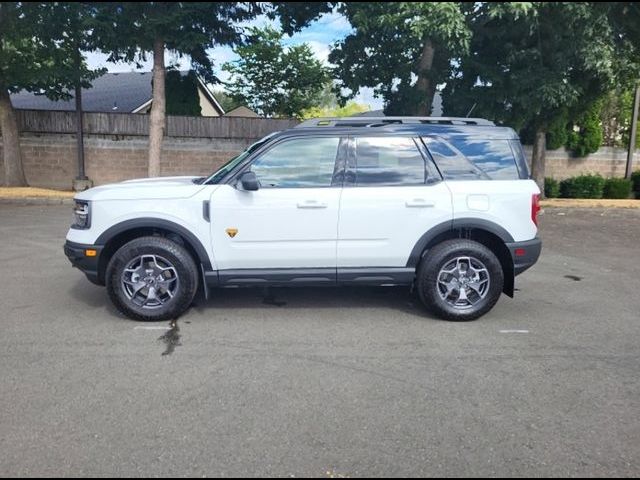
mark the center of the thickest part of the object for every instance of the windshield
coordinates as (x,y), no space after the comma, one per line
(231,164)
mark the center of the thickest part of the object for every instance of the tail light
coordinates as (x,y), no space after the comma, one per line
(535,208)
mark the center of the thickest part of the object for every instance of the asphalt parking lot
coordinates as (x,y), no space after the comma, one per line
(332,382)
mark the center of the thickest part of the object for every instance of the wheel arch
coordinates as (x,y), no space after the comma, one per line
(487,233)
(117,235)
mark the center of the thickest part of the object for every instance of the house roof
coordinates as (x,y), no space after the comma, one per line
(112,92)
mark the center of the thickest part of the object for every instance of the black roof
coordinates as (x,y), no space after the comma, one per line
(112,92)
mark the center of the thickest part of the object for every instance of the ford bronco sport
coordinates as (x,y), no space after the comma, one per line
(444,205)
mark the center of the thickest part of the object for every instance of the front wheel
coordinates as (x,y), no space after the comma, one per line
(460,280)
(152,278)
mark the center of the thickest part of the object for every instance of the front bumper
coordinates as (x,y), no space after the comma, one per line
(76,253)
(524,254)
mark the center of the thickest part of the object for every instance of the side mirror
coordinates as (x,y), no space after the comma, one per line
(249,181)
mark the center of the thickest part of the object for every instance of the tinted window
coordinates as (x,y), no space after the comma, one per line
(388,161)
(305,162)
(452,164)
(493,157)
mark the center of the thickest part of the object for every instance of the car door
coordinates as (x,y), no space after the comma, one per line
(392,196)
(286,231)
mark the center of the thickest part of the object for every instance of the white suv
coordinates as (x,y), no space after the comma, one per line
(442,204)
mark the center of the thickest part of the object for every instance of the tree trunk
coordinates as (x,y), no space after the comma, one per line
(13,171)
(538,157)
(157,117)
(424,86)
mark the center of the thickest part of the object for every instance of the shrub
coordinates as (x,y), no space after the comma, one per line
(583,186)
(557,133)
(635,180)
(551,188)
(617,188)
(588,138)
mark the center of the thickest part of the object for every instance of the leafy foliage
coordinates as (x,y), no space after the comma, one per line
(400,49)
(586,137)
(527,65)
(551,188)
(349,110)
(39,43)
(583,186)
(617,188)
(272,79)
(127,30)
(558,133)
(227,102)
(615,117)
(182,94)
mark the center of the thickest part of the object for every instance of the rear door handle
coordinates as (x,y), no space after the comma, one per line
(311,204)
(419,203)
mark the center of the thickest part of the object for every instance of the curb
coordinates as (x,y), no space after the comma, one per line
(35,201)
(590,203)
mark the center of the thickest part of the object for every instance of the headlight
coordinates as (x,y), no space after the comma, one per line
(81,215)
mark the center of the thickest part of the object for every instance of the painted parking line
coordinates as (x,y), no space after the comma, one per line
(514,331)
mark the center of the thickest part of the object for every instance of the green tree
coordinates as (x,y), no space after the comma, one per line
(182,94)
(528,64)
(348,110)
(272,79)
(129,31)
(227,102)
(615,117)
(402,50)
(39,52)
(585,136)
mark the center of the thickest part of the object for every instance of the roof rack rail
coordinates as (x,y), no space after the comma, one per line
(384,121)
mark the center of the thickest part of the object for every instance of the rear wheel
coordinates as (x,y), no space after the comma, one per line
(152,278)
(460,280)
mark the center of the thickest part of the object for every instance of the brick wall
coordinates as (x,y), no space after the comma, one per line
(50,159)
(607,161)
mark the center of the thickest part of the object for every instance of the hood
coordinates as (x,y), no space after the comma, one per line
(144,188)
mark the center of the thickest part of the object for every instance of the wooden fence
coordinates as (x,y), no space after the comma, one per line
(133,124)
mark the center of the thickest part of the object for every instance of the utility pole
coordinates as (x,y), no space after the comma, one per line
(634,131)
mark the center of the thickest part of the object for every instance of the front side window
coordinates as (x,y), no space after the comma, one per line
(389,161)
(298,163)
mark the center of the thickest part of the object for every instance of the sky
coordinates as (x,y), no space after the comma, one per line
(320,35)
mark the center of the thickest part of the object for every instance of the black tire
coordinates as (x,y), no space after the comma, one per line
(186,274)
(440,256)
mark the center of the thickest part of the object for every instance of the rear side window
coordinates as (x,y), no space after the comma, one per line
(475,158)
(390,161)
(299,163)
(453,165)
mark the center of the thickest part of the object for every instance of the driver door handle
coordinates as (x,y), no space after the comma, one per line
(419,203)
(311,204)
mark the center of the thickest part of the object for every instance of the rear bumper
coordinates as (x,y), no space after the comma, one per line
(524,254)
(76,253)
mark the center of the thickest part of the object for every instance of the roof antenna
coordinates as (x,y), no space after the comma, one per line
(469,113)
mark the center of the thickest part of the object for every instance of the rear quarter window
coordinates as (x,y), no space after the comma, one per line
(475,158)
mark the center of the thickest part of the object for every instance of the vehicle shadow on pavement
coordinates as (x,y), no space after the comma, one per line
(393,298)
(228,299)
